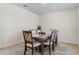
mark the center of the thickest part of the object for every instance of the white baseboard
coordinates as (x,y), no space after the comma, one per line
(68,43)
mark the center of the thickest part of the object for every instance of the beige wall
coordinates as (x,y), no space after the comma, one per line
(1,24)
(78,27)
(64,21)
(13,20)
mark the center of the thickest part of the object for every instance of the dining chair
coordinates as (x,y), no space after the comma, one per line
(29,42)
(35,32)
(48,43)
(54,38)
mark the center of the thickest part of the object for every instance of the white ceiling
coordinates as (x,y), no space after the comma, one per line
(42,8)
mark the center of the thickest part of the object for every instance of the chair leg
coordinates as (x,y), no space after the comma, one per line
(53,46)
(49,50)
(45,46)
(39,49)
(36,48)
(32,51)
(25,50)
(56,40)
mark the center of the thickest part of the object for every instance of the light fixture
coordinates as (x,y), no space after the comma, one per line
(44,4)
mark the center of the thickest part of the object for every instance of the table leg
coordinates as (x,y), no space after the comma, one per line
(39,48)
(42,47)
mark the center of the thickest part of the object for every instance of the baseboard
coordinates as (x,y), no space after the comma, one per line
(68,43)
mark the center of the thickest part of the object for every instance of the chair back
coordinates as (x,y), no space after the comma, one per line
(34,31)
(54,34)
(50,37)
(27,36)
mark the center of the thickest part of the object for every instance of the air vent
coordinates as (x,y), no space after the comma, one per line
(25,6)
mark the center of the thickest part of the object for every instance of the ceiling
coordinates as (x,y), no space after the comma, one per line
(43,8)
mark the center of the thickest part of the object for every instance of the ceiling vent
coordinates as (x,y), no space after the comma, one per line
(25,6)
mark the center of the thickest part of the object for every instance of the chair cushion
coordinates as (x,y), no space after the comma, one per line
(47,42)
(35,44)
(52,39)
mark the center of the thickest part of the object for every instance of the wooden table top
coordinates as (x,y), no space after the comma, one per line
(41,36)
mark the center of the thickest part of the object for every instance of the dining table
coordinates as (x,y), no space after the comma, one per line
(41,38)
